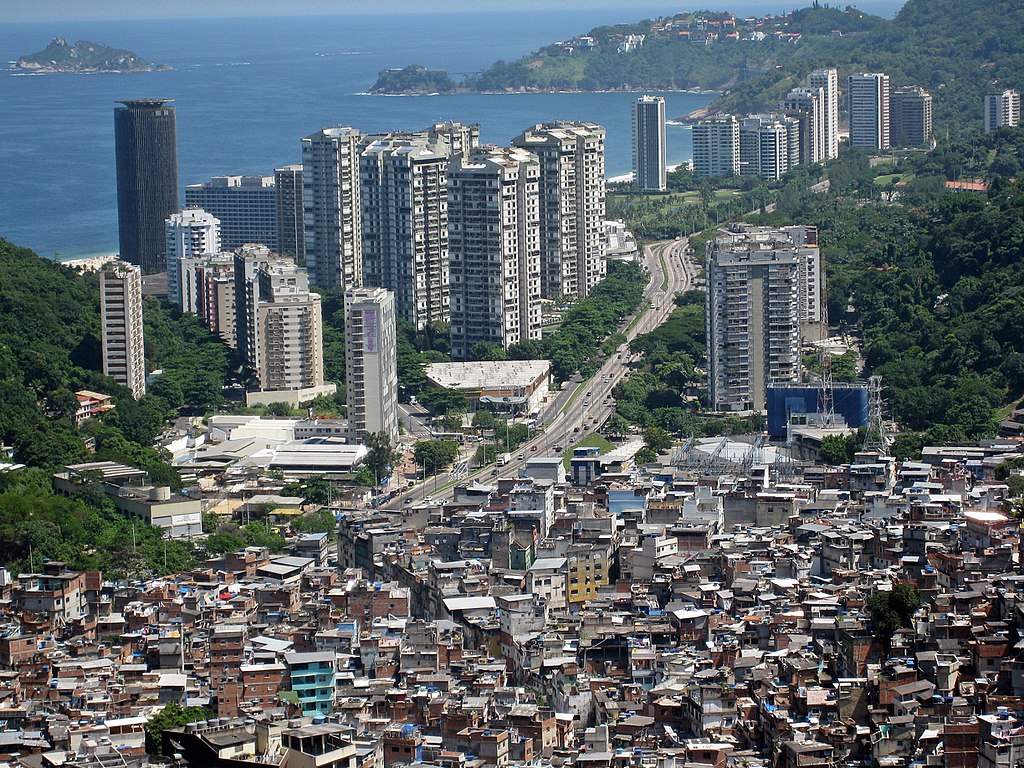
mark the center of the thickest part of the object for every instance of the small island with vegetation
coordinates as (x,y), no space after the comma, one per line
(414,79)
(84,57)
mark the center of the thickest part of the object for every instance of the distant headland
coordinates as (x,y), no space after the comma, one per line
(85,57)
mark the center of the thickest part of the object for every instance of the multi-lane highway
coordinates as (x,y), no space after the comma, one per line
(580,407)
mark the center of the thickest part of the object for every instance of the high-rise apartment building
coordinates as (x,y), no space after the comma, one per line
(371,372)
(572,205)
(765,145)
(215,285)
(245,205)
(910,116)
(121,326)
(807,106)
(828,81)
(189,236)
(650,156)
(147,178)
(716,146)
(764,287)
(279,327)
(289,330)
(248,260)
(404,199)
(494,242)
(868,95)
(1002,110)
(291,233)
(330,198)
(460,137)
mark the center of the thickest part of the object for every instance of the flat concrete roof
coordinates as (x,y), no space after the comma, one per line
(488,374)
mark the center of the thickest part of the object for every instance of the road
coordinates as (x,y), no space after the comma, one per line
(572,414)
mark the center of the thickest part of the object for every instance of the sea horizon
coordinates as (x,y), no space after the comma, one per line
(247,91)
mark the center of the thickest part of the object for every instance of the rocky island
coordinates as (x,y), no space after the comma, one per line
(82,57)
(413,79)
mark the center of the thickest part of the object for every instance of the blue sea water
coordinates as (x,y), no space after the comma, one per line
(247,90)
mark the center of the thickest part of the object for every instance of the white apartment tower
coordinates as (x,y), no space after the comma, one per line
(764,146)
(868,95)
(716,146)
(494,242)
(572,205)
(764,290)
(828,81)
(404,201)
(1002,110)
(460,137)
(189,236)
(289,330)
(330,198)
(371,372)
(278,326)
(121,322)
(650,156)
(807,106)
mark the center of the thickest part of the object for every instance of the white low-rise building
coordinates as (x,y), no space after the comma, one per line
(507,385)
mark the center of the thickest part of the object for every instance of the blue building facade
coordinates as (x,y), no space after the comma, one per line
(785,401)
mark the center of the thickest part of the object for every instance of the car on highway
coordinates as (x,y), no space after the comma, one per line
(522,456)
(557,449)
(533,447)
(494,472)
(408,500)
(577,429)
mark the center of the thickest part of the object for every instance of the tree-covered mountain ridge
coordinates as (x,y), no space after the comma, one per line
(959,51)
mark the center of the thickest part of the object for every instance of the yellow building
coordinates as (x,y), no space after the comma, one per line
(587,571)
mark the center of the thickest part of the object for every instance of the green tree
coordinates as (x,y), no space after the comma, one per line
(364,476)
(222,542)
(833,449)
(646,455)
(259,534)
(171,716)
(321,521)
(279,409)
(380,456)
(435,454)
(315,490)
(483,419)
(444,401)
(657,439)
(891,611)
(484,350)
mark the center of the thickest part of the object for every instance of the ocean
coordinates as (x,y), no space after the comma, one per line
(247,90)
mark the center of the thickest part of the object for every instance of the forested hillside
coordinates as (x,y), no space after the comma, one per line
(952,48)
(958,50)
(935,278)
(49,348)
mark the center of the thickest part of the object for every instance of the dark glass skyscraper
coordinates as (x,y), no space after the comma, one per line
(147,178)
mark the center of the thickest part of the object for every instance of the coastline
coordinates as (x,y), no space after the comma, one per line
(526,90)
(34,71)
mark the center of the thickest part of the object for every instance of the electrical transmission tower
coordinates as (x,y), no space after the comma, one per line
(826,400)
(875,438)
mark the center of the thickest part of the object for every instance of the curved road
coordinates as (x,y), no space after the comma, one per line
(580,408)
